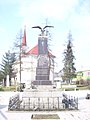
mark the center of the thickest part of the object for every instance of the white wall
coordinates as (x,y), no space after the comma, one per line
(28,72)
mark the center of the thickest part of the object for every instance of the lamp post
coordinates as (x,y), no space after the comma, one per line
(20,38)
(22,49)
(20,57)
(20,67)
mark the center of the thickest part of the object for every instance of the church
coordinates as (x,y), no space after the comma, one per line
(27,73)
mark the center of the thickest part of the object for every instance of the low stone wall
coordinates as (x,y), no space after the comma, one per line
(47,101)
(34,100)
(42,93)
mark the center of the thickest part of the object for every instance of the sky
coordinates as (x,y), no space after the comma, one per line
(64,15)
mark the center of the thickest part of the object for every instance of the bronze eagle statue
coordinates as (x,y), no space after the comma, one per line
(42,29)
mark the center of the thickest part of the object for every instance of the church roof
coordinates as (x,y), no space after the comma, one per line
(34,51)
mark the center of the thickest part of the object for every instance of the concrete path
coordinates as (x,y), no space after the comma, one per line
(82,114)
(64,115)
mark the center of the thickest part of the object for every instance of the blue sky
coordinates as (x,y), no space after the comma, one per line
(64,15)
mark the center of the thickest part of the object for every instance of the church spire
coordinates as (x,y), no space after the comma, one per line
(24,43)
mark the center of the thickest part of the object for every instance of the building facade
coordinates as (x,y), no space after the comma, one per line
(84,75)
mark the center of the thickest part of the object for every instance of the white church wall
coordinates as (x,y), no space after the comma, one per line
(28,70)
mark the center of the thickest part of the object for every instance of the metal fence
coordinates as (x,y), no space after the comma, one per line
(43,103)
(14,103)
(48,103)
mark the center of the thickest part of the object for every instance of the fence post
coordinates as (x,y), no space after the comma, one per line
(39,103)
(48,103)
(29,103)
(58,102)
(53,102)
(77,103)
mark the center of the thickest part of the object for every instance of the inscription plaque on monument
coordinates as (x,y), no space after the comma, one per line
(43,61)
(42,70)
(42,45)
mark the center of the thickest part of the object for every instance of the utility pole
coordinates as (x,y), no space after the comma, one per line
(20,57)
(19,51)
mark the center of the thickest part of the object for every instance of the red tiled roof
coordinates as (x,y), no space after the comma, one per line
(34,51)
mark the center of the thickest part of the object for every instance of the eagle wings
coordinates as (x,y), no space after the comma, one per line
(42,29)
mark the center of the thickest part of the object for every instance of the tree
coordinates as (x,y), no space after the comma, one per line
(19,48)
(1,76)
(51,57)
(7,65)
(68,69)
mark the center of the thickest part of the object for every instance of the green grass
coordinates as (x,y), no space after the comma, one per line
(79,87)
(84,88)
(1,89)
(13,88)
(10,88)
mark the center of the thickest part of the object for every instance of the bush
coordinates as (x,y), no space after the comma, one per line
(83,82)
(80,85)
(10,88)
(77,82)
(69,89)
(88,82)
(1,89)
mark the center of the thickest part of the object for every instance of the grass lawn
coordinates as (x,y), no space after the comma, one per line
(10,88)
(78,87)
(84,88)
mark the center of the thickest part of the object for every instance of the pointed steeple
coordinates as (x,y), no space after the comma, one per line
(24,43)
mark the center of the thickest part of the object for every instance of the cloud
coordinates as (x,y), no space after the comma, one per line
(57,9)
(9,2)
(2,29)
(65,14)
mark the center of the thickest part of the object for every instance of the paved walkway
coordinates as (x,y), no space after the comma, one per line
(64,115)
(82,114)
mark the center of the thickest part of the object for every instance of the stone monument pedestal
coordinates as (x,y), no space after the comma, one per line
(42,76)
(43,63)
(42,82)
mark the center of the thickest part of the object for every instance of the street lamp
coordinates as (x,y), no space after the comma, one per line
(20,57)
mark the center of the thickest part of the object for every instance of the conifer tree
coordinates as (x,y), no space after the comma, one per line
(68,69)
(7,65)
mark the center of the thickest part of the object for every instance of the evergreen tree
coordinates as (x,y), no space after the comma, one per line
(1,76)
(7,65)
(68,69)
(49,36)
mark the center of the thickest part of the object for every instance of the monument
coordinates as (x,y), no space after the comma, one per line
(44,97)
(43,69)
